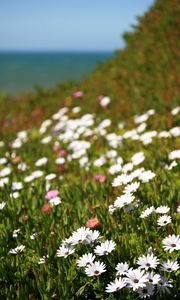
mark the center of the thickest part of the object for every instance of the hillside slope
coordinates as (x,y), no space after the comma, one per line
(145,73)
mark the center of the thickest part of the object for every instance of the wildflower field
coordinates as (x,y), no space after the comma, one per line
(89,178)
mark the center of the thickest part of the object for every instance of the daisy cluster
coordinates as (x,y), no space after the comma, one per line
(40,171)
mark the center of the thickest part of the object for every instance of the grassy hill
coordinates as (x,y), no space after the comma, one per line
(104,181)
(144,73)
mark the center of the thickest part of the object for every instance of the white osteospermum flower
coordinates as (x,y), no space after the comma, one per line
(4,181)
(116,285)
(122,269)
(147,212)
(164,220)
(164,285)
(92,237)
(174,155)
(178,209)
(138,158)
(3,161)
(115,169)
(41,162)
(17,186)
(123,200)
(162,209)
(175,131)
(146,292)
(46,139)
(16,233)
(34,236)
(55,201)
(153,278)
(5,172)
(171,243)
(37,174)
(136,279)
(99,162)
(15,195)
(50,176)
(105,248)
(43,259)
(132,187)
(2,205)
(85,260)
(65,251)
(79,236)
(17,250)
(22,167)
(96,269)
(122,179)
(60,160)
(146,176)
(170,266)
(175,110)
(149,261)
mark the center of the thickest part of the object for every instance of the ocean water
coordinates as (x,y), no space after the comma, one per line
(22,71)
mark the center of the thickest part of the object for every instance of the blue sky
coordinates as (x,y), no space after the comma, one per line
(67,24)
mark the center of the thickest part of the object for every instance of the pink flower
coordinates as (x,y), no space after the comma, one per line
(99,98)
(55,148)
(46,208)
(100,178)
(62,153)
(92,223)
(51,194)
(78,94)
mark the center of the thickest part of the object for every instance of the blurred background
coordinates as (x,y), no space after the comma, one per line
(44,42)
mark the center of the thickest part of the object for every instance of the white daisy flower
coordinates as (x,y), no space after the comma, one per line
(34,236)
(116,285)
(105,248)
(153,278)
(132,187)
(178,209)
(16,233)
(147,212)
(92,237)
(17,186)
(136,279)
(146,176)
(17,250)
(55,201)
(5,172)
(79,236)
(122,179)
(164,285)
(50,176)
(171,243)
(164,220)
(85,260)
(65,251)
(174,155)
(170,266)
(149,261)
(115,169)
(138,158)
(96,269)
(41,162)
(2,205)
(163,209)
(146,292)
(122,268)
(124,200)
(175,110)
(43,259)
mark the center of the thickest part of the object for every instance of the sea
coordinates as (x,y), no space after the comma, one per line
(21,72)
